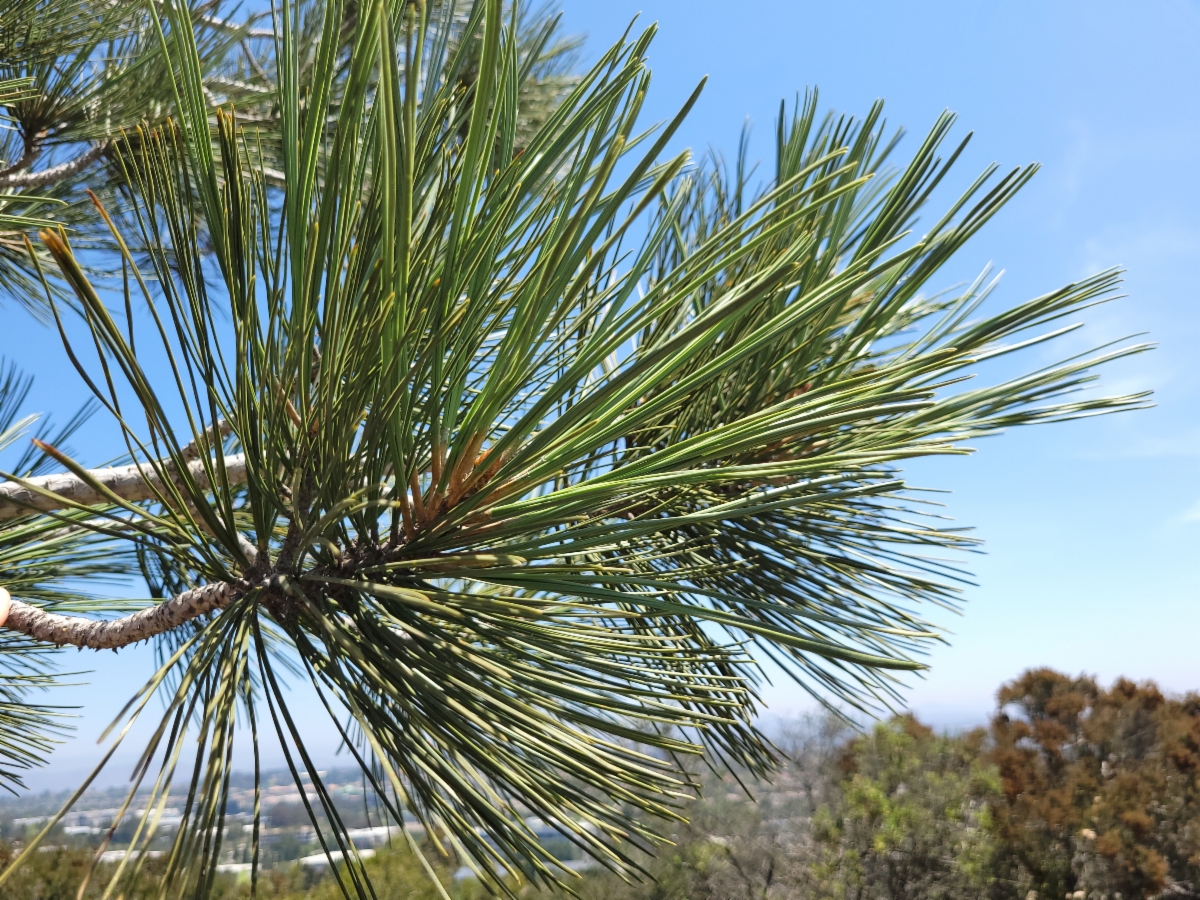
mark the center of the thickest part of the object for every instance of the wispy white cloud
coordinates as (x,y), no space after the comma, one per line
(1138,245)
(1192,514)
(1128,444)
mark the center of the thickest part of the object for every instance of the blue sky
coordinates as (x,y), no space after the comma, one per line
(1092,529)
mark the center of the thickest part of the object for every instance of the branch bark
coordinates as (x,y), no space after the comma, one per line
(133,483)
(51,628)
(28,158)
(18,178)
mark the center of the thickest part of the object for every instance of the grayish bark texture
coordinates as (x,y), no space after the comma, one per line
(16,177)
(133,483)
(51,628)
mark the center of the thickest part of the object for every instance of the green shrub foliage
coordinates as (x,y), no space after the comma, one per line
(1073,791)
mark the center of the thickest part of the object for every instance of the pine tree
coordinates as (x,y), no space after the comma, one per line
(521,439)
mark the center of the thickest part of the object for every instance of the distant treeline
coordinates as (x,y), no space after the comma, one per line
(1073,791)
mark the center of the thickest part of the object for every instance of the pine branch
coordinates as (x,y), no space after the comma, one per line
(63,490)
(438,372)
(134,483)
(82,632)
(16,177)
